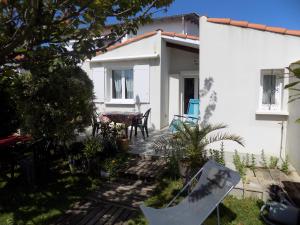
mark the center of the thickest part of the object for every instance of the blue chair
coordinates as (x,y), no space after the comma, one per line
(191,118)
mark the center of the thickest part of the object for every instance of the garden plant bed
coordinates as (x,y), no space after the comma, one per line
(258,182)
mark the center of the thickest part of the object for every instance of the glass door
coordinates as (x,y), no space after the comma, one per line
(189,92)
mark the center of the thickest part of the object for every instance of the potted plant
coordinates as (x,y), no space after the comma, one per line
(122,140)
(188,145)
(92,148)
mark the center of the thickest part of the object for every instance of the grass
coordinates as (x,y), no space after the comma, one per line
(233,211)
(24,205)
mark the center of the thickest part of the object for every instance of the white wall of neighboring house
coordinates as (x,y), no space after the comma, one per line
(234,57)
(293,131)
(177,25)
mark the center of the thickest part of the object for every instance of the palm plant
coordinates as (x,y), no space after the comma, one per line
(189,143)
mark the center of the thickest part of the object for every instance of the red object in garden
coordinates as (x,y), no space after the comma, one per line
(13,139)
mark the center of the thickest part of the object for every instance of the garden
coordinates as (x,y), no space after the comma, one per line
(47,173)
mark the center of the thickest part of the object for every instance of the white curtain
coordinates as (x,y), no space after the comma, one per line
(269,89)
(117,84)
(128,84)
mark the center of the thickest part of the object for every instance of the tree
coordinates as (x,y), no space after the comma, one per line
(43,30)
(55,105)
(8,117)
(41,36)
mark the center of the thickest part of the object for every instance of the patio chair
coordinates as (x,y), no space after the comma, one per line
(142,123)
(191,118)
(215,182)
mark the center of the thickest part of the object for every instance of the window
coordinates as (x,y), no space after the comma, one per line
(122,84)
(271,89)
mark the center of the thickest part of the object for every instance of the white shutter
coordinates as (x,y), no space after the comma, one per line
(108,85)
(141,83)
(99,83)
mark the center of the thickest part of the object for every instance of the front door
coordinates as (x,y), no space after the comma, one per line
(190,91)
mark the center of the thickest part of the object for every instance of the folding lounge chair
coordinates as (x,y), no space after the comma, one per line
(215,182)
(191,118)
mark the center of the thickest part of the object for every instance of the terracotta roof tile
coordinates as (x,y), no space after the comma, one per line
(149,34)
(262,27)
(257,26)
(185,36)
(239,23)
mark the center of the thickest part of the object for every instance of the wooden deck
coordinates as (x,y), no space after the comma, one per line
(117,201)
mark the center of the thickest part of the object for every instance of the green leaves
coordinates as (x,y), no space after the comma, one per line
(190,142)
(28,27)
(291,84)
(55,104)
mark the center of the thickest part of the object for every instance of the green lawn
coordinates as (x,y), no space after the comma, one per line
(20,204)
(233,211)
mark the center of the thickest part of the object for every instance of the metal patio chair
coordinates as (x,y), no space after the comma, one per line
(192,117)
(214,184)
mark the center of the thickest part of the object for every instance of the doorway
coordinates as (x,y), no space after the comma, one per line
(190,91)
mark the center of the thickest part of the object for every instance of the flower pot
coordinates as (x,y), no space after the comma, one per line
(123,144)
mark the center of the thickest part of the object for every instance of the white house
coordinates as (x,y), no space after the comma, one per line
(236,69)
(246,62)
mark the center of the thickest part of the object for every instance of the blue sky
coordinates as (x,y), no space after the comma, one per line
(280,13)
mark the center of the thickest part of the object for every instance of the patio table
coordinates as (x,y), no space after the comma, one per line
(125,118)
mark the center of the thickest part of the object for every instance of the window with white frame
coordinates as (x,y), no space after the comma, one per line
(271,89)
(122,84)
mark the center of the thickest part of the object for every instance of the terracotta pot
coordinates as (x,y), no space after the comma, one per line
(123,144)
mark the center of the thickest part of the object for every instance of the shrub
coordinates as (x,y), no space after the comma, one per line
(92,147)
(253,162)
(263,162)
(57,104)
(9,120)
(239,165)
(247,160)
(273,162)
(113,165)
(285,166)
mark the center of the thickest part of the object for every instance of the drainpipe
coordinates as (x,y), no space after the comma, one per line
(183,24)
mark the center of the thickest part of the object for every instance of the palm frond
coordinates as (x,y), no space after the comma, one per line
(223,137)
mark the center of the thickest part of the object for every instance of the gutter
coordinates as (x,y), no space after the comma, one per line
(124,58)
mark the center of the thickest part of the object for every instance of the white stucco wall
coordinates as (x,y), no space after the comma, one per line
(233,57)
(293,133)
(147,46)
(182,61)
(175,25)
(165,60)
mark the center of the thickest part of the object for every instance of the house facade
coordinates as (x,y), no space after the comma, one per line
(236,69)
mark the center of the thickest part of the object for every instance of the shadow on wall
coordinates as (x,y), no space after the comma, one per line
(206,90)
(138,103)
